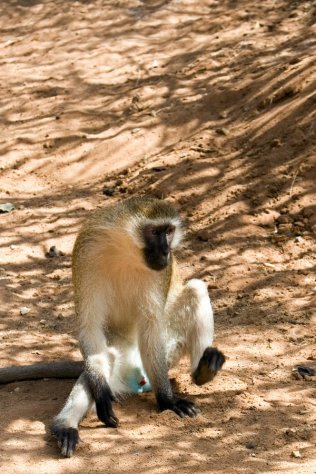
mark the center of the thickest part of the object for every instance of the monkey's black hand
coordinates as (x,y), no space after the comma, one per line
(180,406)
(67,439)
(104,397)
(210,363)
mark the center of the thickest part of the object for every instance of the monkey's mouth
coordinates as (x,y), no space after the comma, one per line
(158,264)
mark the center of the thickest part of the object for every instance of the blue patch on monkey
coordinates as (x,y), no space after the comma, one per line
(138,382)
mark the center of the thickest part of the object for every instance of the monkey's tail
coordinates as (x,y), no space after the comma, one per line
(56,370)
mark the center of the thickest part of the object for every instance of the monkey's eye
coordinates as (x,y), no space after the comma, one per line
(169,230)
(150,232)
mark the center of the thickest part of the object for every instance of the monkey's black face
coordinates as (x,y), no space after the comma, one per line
(157,245)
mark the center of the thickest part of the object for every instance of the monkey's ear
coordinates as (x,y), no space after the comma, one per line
(134,229)
(178,234)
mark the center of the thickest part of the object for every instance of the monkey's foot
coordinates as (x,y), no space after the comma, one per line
(210,363)
(180,406)
(67,439)
(103,402)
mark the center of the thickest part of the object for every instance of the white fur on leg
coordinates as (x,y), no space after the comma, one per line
(76,407)
(202,329)
(190,324)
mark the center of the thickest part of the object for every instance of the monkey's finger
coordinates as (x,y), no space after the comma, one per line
(182,412)
(69,438)
(179,412)
(216,361)
(113,417)
(185,407)
(113,422)
(60,435)
(190,410)
(106,415)
(194,410)
(213,359)
(64,442)
(73,439)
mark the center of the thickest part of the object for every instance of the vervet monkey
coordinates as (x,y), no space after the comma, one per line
(136,316)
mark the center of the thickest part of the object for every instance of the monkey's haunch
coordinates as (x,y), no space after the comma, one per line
(56,370)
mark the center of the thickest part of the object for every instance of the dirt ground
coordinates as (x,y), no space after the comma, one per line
(210,104)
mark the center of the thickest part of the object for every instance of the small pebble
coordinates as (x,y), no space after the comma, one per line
(303,371)
(276,142)
(296,454)
(54,252)
(24,310)
(222,131)
(299,239)
(285,227)
(312,356)
(108,191)
(290,432)
(6,207)
(159,168)
(17,389)
(284,219)
(251,445)
(308,212)
(203,235)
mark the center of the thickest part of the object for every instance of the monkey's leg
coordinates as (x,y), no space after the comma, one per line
(65,424)
(153,354)
(99,362)
(191,330)
(93,316)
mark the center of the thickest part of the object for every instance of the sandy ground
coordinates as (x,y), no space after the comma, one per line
(211,105)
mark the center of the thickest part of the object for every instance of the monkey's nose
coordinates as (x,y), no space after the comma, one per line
(165,251)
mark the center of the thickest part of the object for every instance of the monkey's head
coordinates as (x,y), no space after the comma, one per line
(158,240)
(156,230)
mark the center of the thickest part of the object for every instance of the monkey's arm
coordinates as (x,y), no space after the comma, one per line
(58,370)
(97,368)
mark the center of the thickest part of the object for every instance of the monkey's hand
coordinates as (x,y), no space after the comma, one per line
(104,397)
(210,363)
(67,439)
(180,406)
